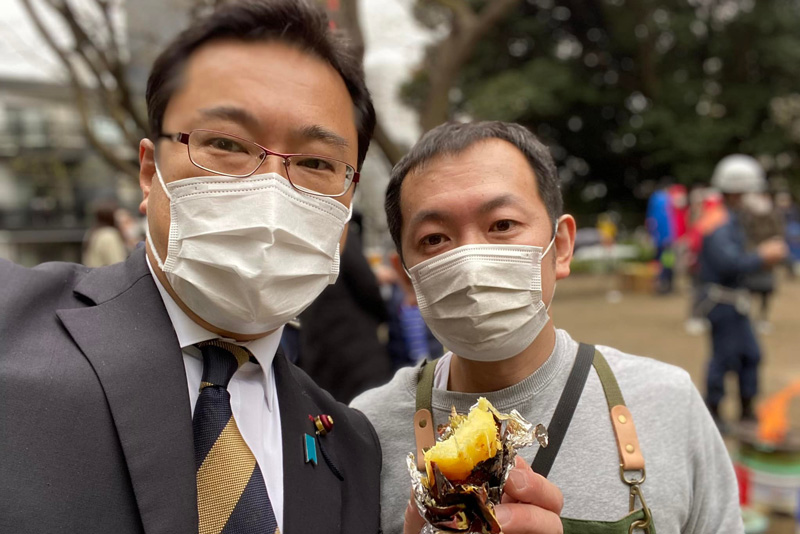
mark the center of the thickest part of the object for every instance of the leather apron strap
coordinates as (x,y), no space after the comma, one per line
(423,418)
(630,455)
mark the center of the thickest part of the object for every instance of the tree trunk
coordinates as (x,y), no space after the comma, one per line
(347,18)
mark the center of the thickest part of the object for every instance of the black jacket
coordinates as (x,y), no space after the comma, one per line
(339,346)
(95,421)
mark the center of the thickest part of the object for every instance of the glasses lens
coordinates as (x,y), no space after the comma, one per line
(224,154)
(320,175)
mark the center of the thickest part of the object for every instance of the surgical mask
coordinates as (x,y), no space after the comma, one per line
(483,302)
(247,255)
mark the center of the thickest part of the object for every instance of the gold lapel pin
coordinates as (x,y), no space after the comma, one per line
(323,423)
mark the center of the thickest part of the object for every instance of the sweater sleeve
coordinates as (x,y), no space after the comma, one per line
(715,495)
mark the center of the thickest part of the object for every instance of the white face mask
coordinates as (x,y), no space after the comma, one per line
(483,302)
(248,255)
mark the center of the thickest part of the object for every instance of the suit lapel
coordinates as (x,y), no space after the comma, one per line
(312,494)
(129,341)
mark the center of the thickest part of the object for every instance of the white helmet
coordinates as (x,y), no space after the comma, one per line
(738,173)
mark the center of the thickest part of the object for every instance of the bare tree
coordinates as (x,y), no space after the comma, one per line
(95,64)
(95,59)
(346,18)
(465,27)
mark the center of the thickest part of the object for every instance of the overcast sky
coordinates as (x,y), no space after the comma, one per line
(22,53)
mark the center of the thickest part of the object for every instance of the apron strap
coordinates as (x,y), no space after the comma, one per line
(423,419)
(630,454)
(565,409)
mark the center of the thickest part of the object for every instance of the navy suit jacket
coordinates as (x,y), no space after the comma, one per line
(96,424)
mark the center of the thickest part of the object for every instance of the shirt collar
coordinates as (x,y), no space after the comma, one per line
(189,333)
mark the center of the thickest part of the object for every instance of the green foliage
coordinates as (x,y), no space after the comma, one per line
(629,92)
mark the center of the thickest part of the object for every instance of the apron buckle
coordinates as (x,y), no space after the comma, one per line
(644,524)
(632,481)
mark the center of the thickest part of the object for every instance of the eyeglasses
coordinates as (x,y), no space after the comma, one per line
(230,155)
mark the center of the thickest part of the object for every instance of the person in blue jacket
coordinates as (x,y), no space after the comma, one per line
(724,263)
(662,231)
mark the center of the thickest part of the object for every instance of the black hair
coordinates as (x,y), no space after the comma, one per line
(453,138)
(299,23)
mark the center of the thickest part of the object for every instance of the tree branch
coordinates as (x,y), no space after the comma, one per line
(347,19)
(80,97)
(119,101)
(461,10)
(391,149)
(450,55)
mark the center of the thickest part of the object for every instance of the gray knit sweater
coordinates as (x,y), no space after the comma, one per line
(690,486)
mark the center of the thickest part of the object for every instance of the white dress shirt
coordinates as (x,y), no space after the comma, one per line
(254,398)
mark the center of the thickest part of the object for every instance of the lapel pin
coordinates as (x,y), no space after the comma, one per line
(323,423)
(311,449)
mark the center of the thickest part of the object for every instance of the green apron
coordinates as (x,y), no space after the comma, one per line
(639,520)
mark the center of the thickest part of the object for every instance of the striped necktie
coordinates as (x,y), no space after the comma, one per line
(231,494)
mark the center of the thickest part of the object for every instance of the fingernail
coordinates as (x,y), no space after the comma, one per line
(502,514)
(518,480)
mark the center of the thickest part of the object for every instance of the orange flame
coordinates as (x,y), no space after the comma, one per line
(773,419)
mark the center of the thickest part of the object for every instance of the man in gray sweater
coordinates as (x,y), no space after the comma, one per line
(476,213)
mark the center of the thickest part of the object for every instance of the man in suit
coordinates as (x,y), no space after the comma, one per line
(259,118)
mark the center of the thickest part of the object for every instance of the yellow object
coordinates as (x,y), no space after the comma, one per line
(474,440)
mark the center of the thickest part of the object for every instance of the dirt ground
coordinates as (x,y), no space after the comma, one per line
(653,326)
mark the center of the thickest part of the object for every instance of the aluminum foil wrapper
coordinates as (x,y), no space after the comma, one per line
(468,506)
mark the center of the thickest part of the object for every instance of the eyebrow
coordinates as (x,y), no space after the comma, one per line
(315,132)
(427,216)
(487,207)
(231,113)
(498,202)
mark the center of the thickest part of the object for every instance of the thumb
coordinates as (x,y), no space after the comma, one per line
(413,521)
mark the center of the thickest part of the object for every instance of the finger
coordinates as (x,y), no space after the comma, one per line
(525,486)
(507,499)
(413,521)
(522,518)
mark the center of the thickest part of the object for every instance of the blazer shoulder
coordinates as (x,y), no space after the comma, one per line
(48,282)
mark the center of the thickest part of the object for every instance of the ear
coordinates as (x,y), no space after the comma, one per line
(147,171)
(402,278)
(565,241)
(397,265)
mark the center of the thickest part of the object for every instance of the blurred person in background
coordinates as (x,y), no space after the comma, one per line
(104,243)
(706,213)
(607,229)
(679,208)
(724,265)
(787,207)
(410,339)
(130,227)
(661,226)
(761,222)
(338,333)
(151,396)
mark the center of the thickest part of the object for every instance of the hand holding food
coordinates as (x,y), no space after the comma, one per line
(467,470)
